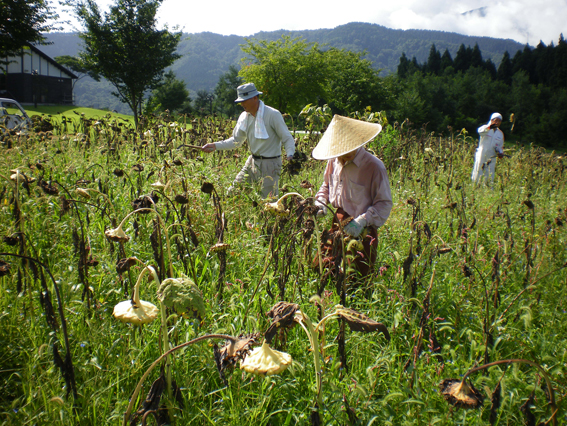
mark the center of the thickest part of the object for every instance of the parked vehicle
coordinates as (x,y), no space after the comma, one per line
(13,116)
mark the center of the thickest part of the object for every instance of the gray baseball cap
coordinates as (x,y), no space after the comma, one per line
(246,91)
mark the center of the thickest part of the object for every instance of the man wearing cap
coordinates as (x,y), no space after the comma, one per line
(490,147)
(355,184)
(265,130)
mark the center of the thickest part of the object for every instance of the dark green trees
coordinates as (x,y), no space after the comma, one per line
(463,94)
(22,22)
(125,47)
(171,95)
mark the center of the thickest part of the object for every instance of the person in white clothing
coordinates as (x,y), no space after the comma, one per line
(490,147)
(265,130)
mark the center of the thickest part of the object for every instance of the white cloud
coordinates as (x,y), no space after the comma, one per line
(522,20)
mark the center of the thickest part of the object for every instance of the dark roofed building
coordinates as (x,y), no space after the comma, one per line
(34,77)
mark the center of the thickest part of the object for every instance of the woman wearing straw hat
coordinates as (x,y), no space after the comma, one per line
(265,130)
(490,146)
(355,184)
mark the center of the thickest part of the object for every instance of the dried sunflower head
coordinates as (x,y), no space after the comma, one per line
(460,394)
(232,352)
(145,202)
(276,208)
(181,199)
(266,361)
(529,204)
(136,311)
(17,177)
(11,240)
(207,188)
(158,186)
(125,264)
(4,268)
(83,193)
(48,188)
(117,235)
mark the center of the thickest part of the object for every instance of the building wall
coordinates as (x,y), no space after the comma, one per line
(31,78)
(27,88)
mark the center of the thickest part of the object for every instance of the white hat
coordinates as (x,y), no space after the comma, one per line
(246,91)
(344,135)
(496,115)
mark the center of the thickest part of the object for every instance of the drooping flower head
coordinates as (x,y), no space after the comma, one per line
(266,361)
(182,295)
(117,235)
(136,311)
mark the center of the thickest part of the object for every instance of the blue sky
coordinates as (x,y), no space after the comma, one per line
(526,21)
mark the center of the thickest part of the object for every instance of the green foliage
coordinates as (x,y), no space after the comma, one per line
(352,84)
(23,22)
(204,102)
(207,56)
(466,93)
(292,73)
(126,48)
(289,72)
(77,65)
(225,93)
(170,95)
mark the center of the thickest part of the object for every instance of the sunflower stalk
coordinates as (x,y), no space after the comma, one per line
(162,224)
(138,388)
(307,325)
(165,338)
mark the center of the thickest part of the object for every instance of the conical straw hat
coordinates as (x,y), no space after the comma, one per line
(344,135)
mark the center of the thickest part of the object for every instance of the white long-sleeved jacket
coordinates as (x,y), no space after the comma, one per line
(491,144)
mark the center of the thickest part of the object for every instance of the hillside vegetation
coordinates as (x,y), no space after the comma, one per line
(206,56)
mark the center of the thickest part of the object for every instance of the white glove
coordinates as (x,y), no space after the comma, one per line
(322,208)
(355,226)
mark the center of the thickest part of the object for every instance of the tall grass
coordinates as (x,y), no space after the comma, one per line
(465,275)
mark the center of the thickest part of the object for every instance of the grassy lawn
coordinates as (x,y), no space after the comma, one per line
(71,111)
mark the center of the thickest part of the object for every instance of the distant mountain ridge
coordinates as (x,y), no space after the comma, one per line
(206,56)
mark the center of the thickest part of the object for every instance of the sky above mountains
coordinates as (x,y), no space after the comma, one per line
(526,21)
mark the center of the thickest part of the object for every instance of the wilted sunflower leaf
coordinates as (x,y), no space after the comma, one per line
(282,314)
(182,295)
(360,322)
(151,405)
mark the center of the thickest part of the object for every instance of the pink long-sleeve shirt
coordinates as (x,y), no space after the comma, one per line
(361,187)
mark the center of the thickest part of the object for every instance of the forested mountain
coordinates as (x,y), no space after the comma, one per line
(206,56)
